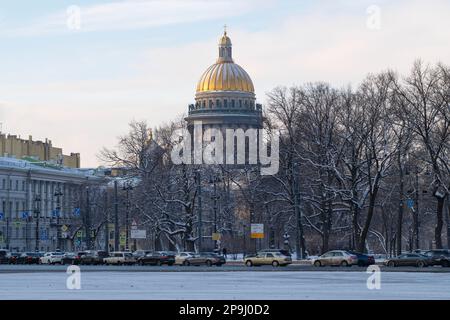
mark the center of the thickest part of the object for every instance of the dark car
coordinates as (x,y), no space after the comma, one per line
(157,258)
(29,258)
(364,260)
(94,257)
(439,257)
(409,259)
(4,256)
(13,256)
(72,257)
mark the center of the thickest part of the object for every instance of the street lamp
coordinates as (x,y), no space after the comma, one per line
(127,187)
(214,179)
(58,193)
(37,216)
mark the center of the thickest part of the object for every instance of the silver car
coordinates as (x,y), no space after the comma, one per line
(336,258)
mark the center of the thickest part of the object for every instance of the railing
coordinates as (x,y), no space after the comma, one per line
(257,111)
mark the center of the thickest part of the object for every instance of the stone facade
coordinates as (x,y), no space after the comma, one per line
(21,183)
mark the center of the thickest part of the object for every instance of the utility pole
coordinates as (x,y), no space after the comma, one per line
(106,221)
(127,188)
(199,194)
(298,213)
(37,216)
(87,225)
(416,212)
(116,218)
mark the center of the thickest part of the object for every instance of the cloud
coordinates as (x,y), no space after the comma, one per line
(127,15)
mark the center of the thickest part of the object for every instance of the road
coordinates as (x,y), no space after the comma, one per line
(217,284)
(224,268)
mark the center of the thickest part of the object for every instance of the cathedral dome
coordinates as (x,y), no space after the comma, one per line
(225,75)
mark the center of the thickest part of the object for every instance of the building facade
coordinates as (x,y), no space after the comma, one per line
(40,205)
(15,147)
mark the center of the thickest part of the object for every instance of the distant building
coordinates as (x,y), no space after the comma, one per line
(59,211)
(14,147)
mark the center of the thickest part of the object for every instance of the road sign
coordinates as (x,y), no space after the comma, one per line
(134,225)
(215,236)
(410,203)
(257,231)
(24,215)
(138,234)
(123,238)
(76,212)
(79,234)
(64,228)
(17,223)
(2,215)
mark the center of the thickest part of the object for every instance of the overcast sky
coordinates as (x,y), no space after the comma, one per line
(80,84)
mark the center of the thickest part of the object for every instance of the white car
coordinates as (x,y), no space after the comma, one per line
(182,256)
(120,258)
(52,258)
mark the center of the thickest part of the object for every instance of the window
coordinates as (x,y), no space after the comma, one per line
(17,185)
(23,185)
(232,103)
(4,184)
(10,184)
(269,255)
(225,103)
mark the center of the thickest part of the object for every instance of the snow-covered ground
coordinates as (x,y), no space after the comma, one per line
(225,285)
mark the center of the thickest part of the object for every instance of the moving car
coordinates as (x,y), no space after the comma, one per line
(267,258)
(364,260)
(409,259)
(120,258)
(51,258)
(182,256)
(336,258)
(93,257)
(208,259)
(157,258)
(29,258)
(439,257)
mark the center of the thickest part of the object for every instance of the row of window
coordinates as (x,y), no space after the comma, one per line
(19,210)
(225,103)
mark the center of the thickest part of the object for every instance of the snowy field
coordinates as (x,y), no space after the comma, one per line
(225,285)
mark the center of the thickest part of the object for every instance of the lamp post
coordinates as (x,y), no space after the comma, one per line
(199,194)
(127,188)
(58,193)
(214,179)
(37,216)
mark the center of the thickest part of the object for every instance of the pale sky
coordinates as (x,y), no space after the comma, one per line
(142,59)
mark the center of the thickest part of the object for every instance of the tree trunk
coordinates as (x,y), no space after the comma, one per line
(365,230)
(439,222)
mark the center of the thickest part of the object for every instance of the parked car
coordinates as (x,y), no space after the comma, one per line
(4,256)
(182,256)
(208,259)
(72,257)
(29,258)
(119,258)
(364,260)
(440,257)
(13,256)
(409,259)
(157,258)
(282,251)
(93,257)
(336,258)
(141,253)
(52,258)
(267,258)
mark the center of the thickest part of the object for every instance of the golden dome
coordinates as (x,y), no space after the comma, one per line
(225,75)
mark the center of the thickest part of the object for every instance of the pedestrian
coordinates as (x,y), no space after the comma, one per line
(224,252)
